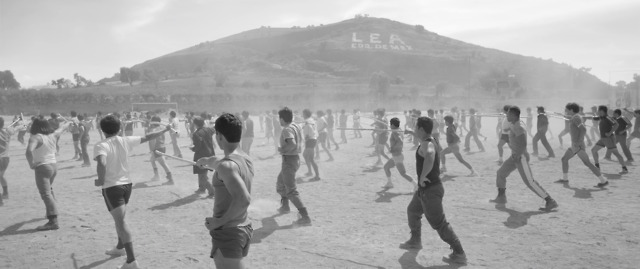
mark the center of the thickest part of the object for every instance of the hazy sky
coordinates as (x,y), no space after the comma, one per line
(42,40)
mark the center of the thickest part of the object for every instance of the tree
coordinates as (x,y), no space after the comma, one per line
(8,81)
(81,81)
(129,75)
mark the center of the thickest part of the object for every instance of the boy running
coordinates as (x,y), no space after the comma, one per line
(577,131)
(519,160)
(290,141)
(427,200)
(541,134)
(112,156)
(452,146)
(397,158)
(607,127)
(230,227)
(310,142)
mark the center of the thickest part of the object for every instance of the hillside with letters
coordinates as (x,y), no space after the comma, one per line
(348,63)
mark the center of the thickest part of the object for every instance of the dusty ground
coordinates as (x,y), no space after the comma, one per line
(356,223)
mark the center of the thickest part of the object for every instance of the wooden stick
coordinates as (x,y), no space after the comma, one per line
(368,129)
(181,159)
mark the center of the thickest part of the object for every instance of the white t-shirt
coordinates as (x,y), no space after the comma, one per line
(116,149)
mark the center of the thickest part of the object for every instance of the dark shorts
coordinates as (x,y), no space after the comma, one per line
(233,242)
(504,137)
(116,196)
(4,163)
(76,137)
(163,150)
(607,142)
(310,143)
(322,137)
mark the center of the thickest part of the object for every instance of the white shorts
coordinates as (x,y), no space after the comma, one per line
(398,159)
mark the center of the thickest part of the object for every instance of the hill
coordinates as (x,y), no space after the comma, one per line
(358,47)
(357,63)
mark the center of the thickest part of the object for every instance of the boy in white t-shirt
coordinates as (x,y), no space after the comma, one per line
(112,156)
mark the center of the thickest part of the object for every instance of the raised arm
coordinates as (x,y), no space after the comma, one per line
(153,135)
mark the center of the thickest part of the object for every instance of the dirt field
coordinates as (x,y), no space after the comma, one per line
(356,223)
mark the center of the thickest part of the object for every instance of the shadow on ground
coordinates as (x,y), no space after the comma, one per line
(15,228)
(180,202)
(516,218)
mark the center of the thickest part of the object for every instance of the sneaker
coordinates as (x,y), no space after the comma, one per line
(330,159)
(500,199)
(85,165)
(200,191)
(474,174)
(411,244)
(389,185)
(116,252)
(624,170)
(316,178)
(48,226)
(602,184)
(303,220)
(155,177)
(562,181)
(210,196)
(551,204)
(132,265)
(308,174)
(458,258)
(170,182)
(551,156)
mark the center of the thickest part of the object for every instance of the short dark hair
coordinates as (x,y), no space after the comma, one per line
(286,114)
(429,112)
(73,113)
(515,109)
(198,121)
(448,119)
(80,117)
(306,113)
(505,108)
(54,115)
(40,126)
(395,122)
(229,126)
(617,111)
(425,123)
(603,109)
(172,113)
(541,109)
(573,107)
(245,114)
(110,125)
